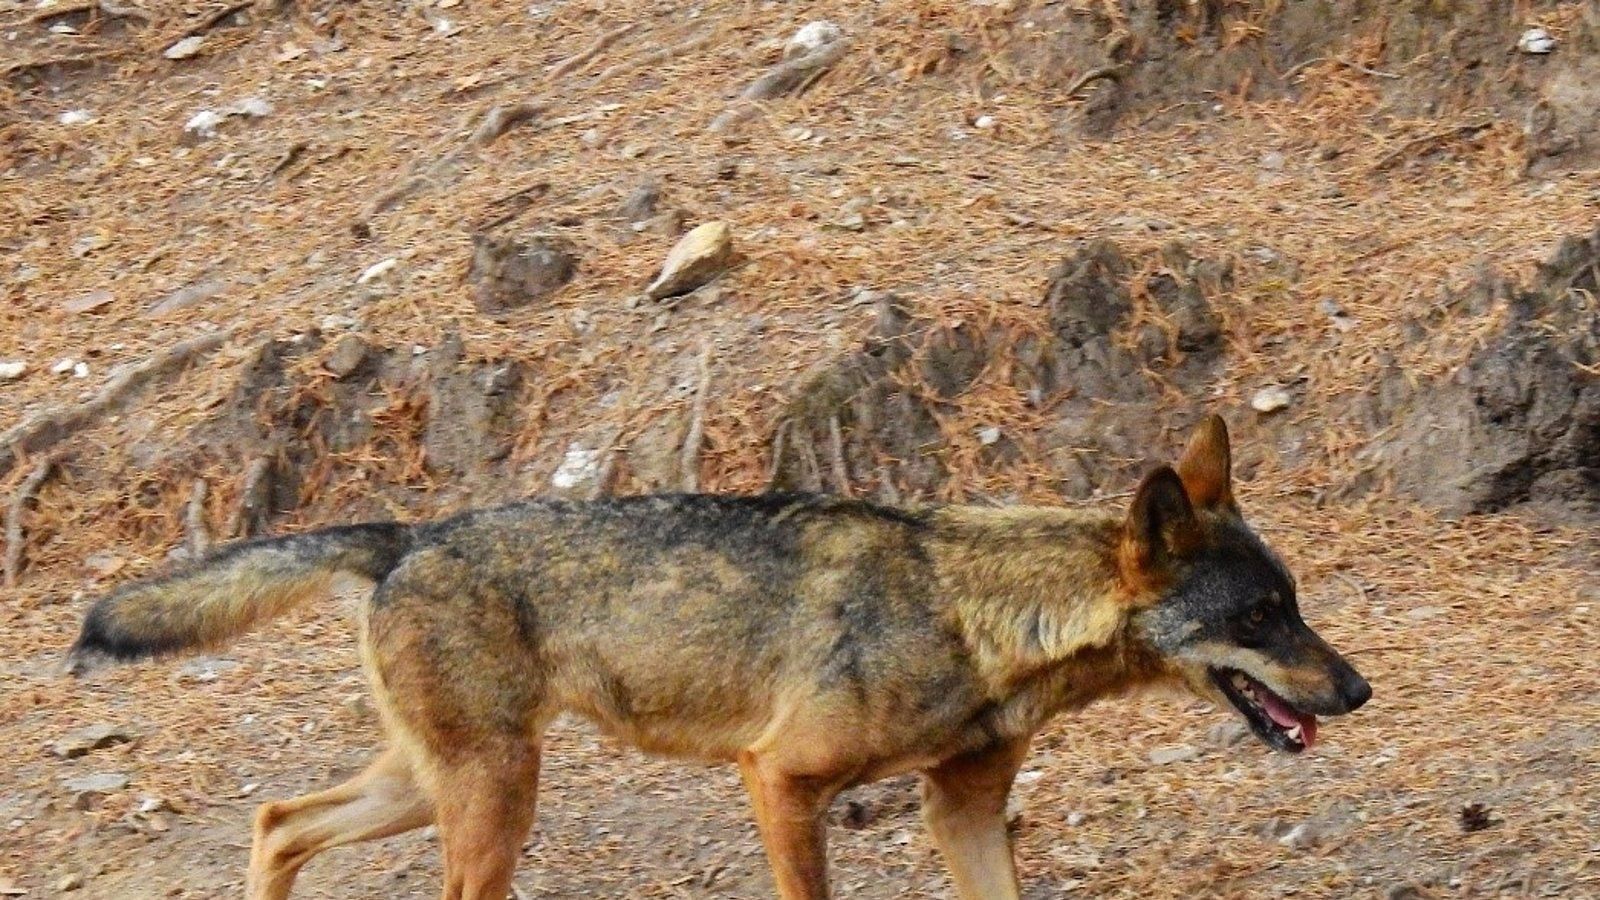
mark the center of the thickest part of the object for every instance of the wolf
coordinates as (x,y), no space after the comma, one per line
(816,642)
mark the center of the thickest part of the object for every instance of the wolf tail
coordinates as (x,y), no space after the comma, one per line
(230,591)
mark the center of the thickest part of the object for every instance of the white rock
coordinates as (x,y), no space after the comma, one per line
(185,48)
(251,106)
(1076,818)
(1537,41)
(1271,399)
(204,123)
(989,435)
(811,37)
(11,370)
(378,270)
(1301,837)
(80,370)
(76,117)
(63,366)
(579,466)
(983,123)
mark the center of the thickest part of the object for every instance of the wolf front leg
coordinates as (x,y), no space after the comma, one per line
(964,804)
(789,812)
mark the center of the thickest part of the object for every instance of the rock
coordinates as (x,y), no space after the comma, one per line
(1175,753)
(669,223)
(69,883)
(76,117)
(1271,399)
(12,369)
(63,366)
(89,243)
(104,781)
(80,370)
(1272,161)
(187,296)
(579,467)
(989,435)
(81,741)
(701,255)
(203,124)
(89,790)
(642,203)
(152,804)
(185,48)
(349,352)
(509,273)
(1423,613)
(811,37)
(104,563)
(1301,837)
(983,123)
(1228,733)
(1076,818)
(206,668)
(377,270)
(1536,41)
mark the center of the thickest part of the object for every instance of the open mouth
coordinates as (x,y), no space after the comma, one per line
(1271,717)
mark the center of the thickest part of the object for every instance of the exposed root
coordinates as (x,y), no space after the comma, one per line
(573,63)
(47,428)
(655,57)
(695,437)
(254,499)
(15,537)
(788,77)
(841,471)
(1112,73)
(501,119)
(197,537)
(1428,140)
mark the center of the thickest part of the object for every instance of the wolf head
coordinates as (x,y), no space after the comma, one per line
(1220,607)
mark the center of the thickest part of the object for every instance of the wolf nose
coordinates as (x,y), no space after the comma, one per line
(1356,692)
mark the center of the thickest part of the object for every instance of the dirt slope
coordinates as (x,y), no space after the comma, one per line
(955,158)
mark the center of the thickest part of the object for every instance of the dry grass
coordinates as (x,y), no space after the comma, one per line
(1479,636)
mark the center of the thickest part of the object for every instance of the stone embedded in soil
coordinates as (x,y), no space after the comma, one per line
(88,302)
(1175,753)
(1227,733)
(349,352)
(641,204)
(1301,837)
(811,37)
(11,370)
(511,273)
(1536,41)
(1271,399)
(69,883)
(81,741)
(701,255)
(185,48)
(188,296)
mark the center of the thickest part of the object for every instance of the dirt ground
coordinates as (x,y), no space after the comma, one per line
(951,157)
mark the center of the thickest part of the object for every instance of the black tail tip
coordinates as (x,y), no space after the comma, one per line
(100,643)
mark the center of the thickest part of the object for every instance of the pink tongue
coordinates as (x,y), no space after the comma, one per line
(1288,718)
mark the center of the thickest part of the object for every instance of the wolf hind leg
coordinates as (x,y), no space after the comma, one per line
(382,801)
(964,805)
(487,803)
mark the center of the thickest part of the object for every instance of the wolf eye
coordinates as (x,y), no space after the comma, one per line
(1257,616)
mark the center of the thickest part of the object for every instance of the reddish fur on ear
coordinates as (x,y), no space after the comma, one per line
(1206,466)
(1160,526)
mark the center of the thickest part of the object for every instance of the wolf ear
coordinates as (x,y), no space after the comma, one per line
(1206,466)
(1161,523)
